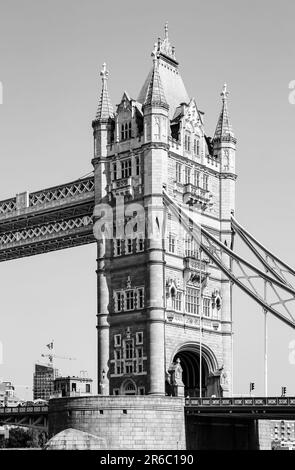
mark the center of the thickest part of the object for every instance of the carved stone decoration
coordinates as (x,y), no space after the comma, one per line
(157,123)
(223,380)
(176,382)
(128,333)
(226,160)
(171,287)
(192,122)
(128,283)
(216,300)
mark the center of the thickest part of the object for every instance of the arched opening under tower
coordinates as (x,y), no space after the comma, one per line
(189,357)
(190,363)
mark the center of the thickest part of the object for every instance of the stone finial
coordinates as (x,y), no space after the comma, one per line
(166,30)
(155,52)
(104,73)
(164,46)
(224,93)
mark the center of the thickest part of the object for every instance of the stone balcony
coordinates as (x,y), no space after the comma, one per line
(194,268)
(195,195)
(125,186)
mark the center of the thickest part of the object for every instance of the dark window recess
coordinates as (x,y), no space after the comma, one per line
(139,123)
(175,131)
(125,412)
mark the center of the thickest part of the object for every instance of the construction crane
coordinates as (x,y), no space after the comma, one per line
(52,356)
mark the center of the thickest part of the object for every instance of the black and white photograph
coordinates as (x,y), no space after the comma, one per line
(147,262)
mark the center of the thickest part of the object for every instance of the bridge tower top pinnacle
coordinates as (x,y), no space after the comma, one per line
(105,107)
(224,127)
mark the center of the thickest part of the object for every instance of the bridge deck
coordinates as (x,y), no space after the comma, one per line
(51,219)
(35,417)
(252,408)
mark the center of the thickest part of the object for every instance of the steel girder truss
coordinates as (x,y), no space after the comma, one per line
(268,287)
(270,262)
(48,220)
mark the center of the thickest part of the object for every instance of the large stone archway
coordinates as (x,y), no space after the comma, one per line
(189,356)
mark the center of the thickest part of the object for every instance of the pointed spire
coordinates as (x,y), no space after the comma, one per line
(155,92)
(224,127)
(105,108)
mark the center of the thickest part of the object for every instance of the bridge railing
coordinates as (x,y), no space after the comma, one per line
(23,409)
(242,401)
(75,190)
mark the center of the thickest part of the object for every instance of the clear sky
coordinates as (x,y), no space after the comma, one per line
(50,57)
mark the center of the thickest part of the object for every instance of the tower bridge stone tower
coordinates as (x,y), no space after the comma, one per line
(155,291)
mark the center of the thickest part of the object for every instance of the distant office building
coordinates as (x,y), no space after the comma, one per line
(43,381)
(72,386)
(283,435)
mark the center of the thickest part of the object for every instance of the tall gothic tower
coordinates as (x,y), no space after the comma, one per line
(155,286)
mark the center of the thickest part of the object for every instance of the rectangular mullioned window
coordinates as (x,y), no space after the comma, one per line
(192,300)
(114,171)
(177,301)
(126,168)
(178,172)
(139,337)
(140,297)
(196,178)
(187,142)
(171,243)
(129,246)
(117,340)
(129,358)
(137,166)
(206,306)
(140,244)
(126,130)
(205,182)
(129,299)
(119,301)
(117,247)
(187,175)
(191,247)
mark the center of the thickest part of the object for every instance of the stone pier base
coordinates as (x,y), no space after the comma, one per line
(125,422)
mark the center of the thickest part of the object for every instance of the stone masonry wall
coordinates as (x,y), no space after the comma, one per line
(126,422)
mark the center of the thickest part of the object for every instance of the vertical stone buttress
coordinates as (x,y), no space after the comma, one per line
(101,134)
(225,147)
(155,111)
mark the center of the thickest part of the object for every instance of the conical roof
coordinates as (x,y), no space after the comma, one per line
(105,108)
(224,127)
(154,93)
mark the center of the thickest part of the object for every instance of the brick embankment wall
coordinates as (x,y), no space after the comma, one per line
(126,422)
